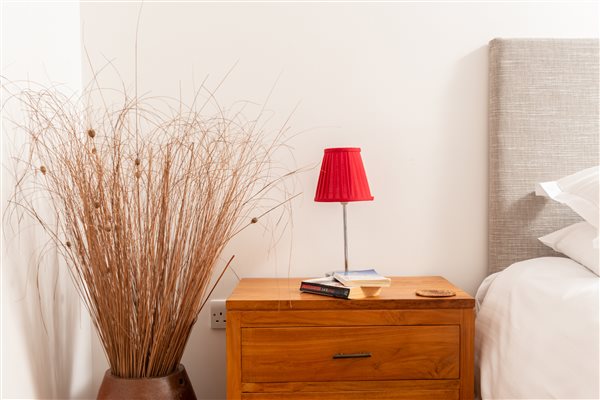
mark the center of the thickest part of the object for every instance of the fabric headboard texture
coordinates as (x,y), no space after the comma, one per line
(543,124)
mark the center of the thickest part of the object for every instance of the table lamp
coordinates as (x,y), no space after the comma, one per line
(343,179)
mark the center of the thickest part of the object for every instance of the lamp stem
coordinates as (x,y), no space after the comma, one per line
(345,239)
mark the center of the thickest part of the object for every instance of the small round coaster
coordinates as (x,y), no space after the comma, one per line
(435,293)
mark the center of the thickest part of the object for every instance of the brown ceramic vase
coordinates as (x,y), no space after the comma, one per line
(175,386)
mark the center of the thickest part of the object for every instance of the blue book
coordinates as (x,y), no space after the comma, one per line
(366,277)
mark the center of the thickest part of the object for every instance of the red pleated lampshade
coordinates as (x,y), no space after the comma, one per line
(343,178)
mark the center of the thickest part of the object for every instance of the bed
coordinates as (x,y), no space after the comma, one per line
(537,326)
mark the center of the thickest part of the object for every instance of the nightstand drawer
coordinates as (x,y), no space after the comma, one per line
(310,354)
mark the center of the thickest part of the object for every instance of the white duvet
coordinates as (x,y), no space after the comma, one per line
(537,332)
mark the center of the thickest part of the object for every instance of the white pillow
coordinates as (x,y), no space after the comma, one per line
(576,242)
(579,191)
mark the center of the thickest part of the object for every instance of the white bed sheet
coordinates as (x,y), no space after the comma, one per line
(537,332)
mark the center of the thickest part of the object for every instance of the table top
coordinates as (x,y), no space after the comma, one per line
(283,293)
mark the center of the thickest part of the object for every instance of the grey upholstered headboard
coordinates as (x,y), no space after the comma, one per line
(543,124)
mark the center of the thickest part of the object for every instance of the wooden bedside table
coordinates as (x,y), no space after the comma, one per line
(284,344)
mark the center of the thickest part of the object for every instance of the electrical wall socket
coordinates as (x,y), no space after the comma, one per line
(218,314)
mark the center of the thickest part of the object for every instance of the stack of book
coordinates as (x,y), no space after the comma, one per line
(347,285)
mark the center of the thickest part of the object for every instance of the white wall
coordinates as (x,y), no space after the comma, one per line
(407,82)
(46,333)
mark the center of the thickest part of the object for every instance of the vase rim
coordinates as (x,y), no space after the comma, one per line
(178,370)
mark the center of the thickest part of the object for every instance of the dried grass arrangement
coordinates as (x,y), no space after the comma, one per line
(144,197)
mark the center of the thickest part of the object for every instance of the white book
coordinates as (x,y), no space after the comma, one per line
(366,277)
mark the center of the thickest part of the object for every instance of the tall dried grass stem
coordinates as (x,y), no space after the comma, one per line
(145,198)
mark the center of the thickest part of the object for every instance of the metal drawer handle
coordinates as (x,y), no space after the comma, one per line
(351,355)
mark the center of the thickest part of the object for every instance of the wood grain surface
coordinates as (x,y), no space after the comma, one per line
(284,293)
(306,354)
(285,318)
(281,342)
(371,395)
(352,386)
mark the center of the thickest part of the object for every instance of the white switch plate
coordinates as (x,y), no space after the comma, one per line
(218,314)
